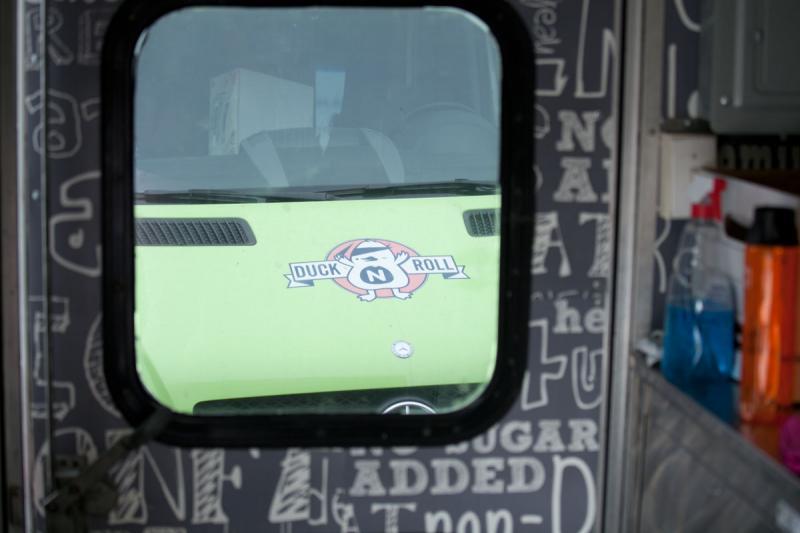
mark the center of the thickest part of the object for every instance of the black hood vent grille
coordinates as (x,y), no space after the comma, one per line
(481,222)
(193,232)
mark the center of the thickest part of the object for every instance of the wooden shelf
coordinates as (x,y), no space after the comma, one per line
(787,181)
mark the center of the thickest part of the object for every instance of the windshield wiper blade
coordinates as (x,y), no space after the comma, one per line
(448,188)
(228,196)
(222,196)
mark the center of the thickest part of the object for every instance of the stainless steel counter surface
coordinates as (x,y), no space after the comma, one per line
(696,473)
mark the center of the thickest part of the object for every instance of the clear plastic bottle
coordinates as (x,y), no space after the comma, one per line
(700,315)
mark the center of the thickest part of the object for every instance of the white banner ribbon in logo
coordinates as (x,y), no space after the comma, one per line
(305,274)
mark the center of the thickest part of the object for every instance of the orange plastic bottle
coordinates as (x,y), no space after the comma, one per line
(770,316)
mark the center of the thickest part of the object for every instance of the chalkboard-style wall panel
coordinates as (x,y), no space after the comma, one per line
(680,75)
(535,471)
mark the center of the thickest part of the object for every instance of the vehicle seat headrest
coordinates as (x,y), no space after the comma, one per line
(353,156)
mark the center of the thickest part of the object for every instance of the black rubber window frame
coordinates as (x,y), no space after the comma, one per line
(517,217)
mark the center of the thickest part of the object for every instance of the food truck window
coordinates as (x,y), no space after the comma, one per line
(310,213)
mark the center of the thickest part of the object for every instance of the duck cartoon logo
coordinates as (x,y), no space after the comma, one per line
(374,268)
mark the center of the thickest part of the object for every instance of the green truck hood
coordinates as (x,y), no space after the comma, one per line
(221,322)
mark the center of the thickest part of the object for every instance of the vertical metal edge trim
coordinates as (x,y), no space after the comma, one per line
(649,167)
(616,107)
(17,362)
(634,235)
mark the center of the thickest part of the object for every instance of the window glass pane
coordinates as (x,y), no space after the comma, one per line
(317,200)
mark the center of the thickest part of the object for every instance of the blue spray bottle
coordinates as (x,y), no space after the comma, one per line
(700,316)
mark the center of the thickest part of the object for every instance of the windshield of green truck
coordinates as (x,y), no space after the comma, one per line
(300,103)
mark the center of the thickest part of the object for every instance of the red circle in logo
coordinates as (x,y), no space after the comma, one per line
(346,250)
